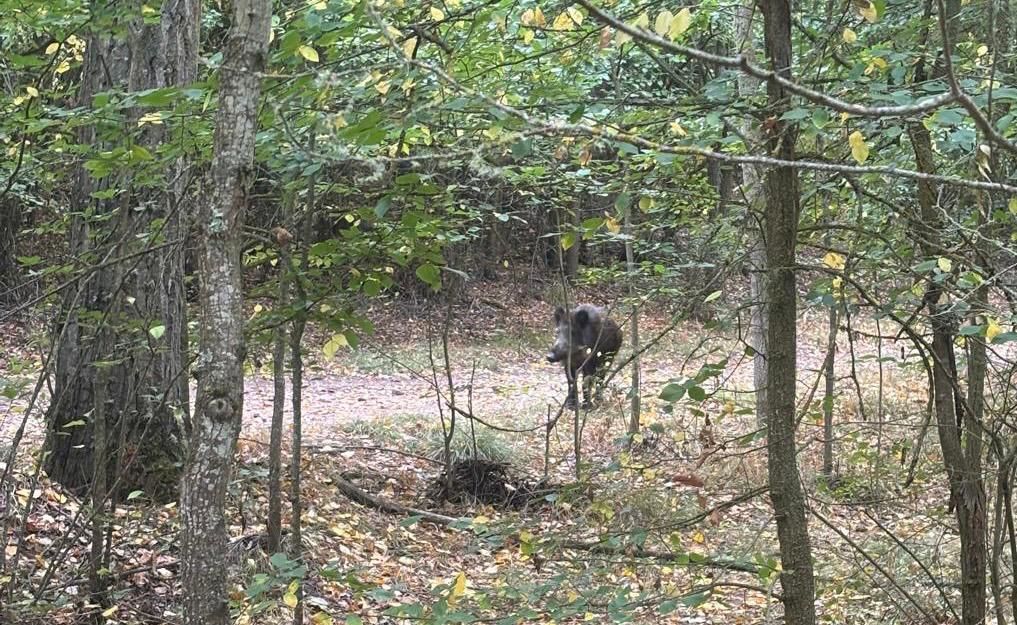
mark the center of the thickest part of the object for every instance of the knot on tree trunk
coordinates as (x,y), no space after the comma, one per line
(219,409)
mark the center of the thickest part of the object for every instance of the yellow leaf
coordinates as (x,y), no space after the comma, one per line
(859,148)
(308,53)
(290,599)
(458,589)
(32,91)
(835,261)
(643,21)
(945,264)
(838,283)
(576,15)
(480,519)
(332,346)
(538,18)
(645,203)
(408,46)
(868,11)
(340,121)
(563,22)
(680,23)
(849,36)
(382,87)
(527,35)
(437,14)
(699,537)
(318,6)
(52,48)
(150,118)
(322,618)
(62,67)
(662,24)
(1012,205)
(584,156)
(993,329)
(110,612)
(982,50)
(612,225)
(676,128)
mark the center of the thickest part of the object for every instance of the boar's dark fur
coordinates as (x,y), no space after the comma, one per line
(585,341)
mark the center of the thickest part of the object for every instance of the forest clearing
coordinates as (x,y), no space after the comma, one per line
(508,311)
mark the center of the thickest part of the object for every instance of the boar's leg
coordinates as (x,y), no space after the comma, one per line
(570,401)
(588,381)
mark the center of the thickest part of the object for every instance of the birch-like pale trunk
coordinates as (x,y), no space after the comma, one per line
(219,368)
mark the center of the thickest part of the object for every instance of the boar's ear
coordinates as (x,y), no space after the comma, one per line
(559,314)
(582,317)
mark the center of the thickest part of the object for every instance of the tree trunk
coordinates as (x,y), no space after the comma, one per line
(575,226)
(781,189)
(630,264)
(147,386)
(753,194)
(829,369)
(69,446)
(278,403)
(960,439)
(10,223)
(219,405)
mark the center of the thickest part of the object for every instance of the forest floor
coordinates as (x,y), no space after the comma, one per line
(659,531)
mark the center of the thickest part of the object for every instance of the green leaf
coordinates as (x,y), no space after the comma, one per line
(697,599)
(430,274)
(381,208)
(568,240)
(156,332)
(697,393)
(74,424)
(672,392)
(134,494)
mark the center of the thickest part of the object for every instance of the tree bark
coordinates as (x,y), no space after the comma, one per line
(635,397)
(220,395)
(278,403)
(10,223)
(959,435)
(143,304)
(575,226)
(69,446)
(753,194)
(781,189)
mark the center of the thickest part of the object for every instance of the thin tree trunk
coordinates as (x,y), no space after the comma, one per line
(781,336)
(575,226)
(754,195)
(297,384)
(10,223)
(219,404)
(278,403)
(961,461)
(630,263)
(828,374)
